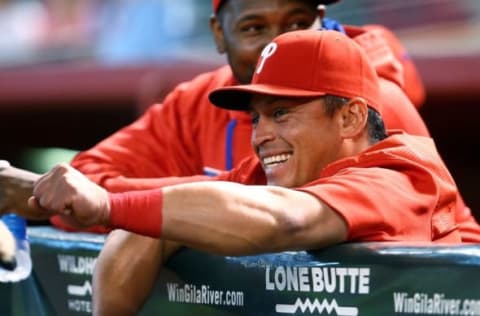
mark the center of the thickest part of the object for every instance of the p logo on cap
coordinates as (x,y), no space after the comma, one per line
(267,52)
(307,63)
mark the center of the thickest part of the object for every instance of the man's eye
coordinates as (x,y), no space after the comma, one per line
(254,119)
(300,25)
(278,113)
(251,28)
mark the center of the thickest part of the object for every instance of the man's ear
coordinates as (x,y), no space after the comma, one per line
(353,116)
(217,31)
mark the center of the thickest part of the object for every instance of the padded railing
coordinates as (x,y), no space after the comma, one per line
(351,279)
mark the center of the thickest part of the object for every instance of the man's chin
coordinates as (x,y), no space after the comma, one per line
(245,79)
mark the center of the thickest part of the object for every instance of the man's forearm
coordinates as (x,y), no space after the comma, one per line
(125,272)
(226,218)
(16,186)
(122,184)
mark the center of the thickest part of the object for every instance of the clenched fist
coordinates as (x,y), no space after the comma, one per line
(67,192)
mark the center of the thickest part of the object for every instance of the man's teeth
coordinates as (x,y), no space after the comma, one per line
(276,159)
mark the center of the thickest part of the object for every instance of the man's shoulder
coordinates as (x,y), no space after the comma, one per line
(356,30)
(406,149)
(191,97)
(398,149)
(398,141)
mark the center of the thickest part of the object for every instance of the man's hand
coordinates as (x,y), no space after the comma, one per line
(7,248)
(66,192)
(16,186)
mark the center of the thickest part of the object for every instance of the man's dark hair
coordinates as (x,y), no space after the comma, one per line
(375,124)
(220,11)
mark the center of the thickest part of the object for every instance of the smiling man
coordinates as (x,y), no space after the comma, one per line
(297,156)
(185,135)
(325,170)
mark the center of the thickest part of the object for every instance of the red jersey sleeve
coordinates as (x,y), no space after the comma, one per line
(153,146)
(397,190)
(378,205)
(166,141)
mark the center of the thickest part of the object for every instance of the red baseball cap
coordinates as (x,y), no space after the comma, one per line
(216,4)
(307,63)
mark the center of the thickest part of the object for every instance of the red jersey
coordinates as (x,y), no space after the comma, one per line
(388,56)
(186,135)
(397,190)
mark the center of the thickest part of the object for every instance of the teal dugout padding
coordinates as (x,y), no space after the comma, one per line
(352,279)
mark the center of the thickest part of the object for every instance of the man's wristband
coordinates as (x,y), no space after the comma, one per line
(137,211)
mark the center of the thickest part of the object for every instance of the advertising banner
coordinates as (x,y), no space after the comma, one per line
(373,279)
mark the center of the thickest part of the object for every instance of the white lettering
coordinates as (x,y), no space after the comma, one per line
(341,272)
(171,290)
(280,278)
(316,279)
(364,281)
(267,52)
(292,279)
(80,306)
(303,279)
(269,285)
(330,280)
(353,273)
(436,303)
(191,294)
(76,265)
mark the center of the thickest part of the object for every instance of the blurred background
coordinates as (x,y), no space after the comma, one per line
(74,71)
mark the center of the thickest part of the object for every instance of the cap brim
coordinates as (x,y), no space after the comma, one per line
(238,97)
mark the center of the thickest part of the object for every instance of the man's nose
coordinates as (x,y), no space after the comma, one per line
(277,30)
(262,132)
(273,32)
